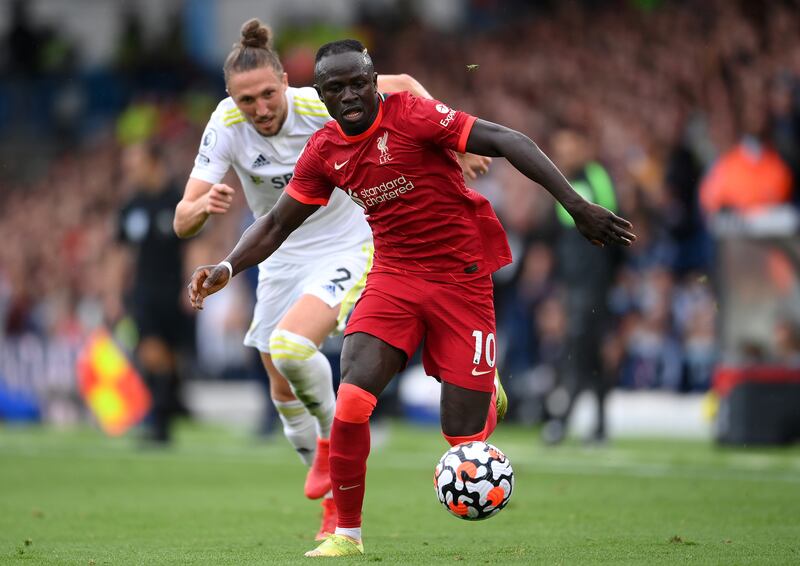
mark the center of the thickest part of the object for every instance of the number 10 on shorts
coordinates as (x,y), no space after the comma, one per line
(489,349)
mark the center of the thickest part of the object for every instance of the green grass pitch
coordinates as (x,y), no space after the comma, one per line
(222,497)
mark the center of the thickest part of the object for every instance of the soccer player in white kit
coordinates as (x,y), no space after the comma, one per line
(307,288)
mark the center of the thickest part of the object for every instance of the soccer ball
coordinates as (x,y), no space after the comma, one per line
(474,480)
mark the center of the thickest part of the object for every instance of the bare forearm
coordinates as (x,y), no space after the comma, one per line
(258,242)
(267,233)
(402,82)
(498,141)
(190,217)
(531,161)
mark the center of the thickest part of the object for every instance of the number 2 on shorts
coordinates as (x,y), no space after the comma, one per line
(338,280)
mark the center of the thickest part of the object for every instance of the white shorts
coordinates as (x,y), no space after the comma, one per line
(336,280)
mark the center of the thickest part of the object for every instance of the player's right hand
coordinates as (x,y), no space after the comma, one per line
(219,199)
(601,226)
(206,280)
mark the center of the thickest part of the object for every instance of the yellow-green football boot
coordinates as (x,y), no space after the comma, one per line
(338,545)
(501,401)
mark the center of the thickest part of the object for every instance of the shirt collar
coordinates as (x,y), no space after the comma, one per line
(369,131)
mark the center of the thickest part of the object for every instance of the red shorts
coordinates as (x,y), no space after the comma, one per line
(456,320)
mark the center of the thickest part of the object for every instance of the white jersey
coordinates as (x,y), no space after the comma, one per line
(265,165)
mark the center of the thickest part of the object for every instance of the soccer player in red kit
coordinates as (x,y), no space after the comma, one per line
(436,245)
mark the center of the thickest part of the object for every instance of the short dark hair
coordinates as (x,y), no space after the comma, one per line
(340,46)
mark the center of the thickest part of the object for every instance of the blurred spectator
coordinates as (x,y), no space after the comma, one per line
(131,53)
(680,209)
(23,50)
(750,176)
(787,342)
(694,311)
(157,298)
(586,274)
(523,342)
(784,125)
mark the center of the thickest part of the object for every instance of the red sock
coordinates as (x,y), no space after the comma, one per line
(349,452)
(488,429)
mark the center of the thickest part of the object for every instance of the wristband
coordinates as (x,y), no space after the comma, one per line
(230,268)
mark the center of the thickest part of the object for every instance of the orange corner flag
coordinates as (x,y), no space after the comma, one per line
(110,385)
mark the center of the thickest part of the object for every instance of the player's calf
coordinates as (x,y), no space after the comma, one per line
(350,444)
(468,415)
(308,372)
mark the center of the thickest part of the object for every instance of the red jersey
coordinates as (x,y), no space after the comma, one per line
(404,173)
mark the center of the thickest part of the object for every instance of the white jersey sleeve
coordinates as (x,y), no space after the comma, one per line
(215,155)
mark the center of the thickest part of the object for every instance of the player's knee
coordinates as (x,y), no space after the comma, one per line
(354,405)
(288,349)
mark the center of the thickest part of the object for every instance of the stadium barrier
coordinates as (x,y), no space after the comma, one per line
(758,279)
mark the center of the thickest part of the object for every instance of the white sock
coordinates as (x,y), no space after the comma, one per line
(298,426)
(308,372)
(352,533)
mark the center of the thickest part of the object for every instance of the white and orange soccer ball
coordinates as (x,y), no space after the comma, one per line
(474,480)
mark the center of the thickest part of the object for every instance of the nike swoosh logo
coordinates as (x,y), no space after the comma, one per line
(475,371)
(338,166)
(341,487)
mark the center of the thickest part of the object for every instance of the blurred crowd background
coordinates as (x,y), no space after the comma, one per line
(668,97)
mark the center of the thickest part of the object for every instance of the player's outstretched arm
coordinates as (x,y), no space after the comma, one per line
(598,225)
(200,200)
(258,242)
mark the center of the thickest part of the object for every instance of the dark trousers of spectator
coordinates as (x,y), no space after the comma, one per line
(581,367)
(163,331)
(166,404)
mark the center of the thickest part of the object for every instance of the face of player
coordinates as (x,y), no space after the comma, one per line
(261,96)
(347,84)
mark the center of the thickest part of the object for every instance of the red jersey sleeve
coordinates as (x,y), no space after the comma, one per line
(310,184)
(436,122)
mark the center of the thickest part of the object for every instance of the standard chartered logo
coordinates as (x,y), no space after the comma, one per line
(358,201)
(381,193)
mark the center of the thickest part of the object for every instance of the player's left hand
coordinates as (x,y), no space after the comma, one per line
(473,165)
(206,280)
(601,226)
